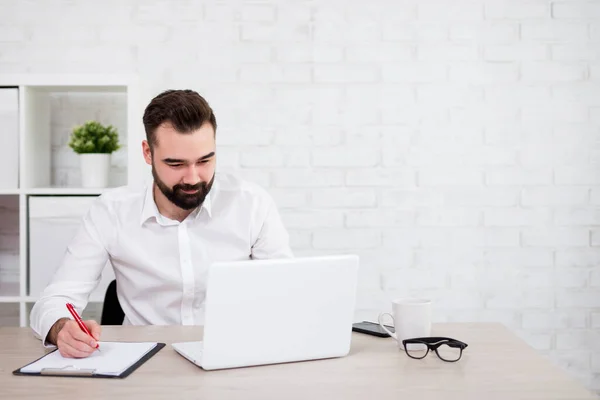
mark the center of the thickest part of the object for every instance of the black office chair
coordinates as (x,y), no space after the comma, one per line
(112,313)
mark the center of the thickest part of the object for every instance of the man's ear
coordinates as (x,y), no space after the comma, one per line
(147,152)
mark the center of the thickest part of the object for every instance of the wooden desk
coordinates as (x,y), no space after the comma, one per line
(496,365)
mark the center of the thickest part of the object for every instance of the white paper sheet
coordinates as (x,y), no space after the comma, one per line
(112,359)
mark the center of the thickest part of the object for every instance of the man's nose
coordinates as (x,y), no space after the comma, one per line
(191,176)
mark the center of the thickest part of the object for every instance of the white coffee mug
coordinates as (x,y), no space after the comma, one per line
(411,319)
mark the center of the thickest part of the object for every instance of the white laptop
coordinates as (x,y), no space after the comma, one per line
(274,311)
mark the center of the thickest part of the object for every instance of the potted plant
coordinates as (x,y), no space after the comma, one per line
(94,143)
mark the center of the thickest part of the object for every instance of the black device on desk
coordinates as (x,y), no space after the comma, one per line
(371,328)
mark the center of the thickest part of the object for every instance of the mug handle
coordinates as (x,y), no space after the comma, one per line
(380,320)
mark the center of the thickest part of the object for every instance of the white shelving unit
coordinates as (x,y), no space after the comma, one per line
(33,176)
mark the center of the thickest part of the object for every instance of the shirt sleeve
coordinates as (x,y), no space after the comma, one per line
(79,273)
(273,239)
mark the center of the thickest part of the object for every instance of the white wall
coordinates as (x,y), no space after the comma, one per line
(453,145)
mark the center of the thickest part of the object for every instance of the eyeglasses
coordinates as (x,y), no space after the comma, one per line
(447,349)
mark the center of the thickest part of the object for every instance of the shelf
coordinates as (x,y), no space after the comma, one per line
(49,115)
(9,134)
(41,110)
(65,191)
(32,299)
(10,191)
(11,299)
(10,289)
(71,82)
(10,314)
(9,245)
(58,191)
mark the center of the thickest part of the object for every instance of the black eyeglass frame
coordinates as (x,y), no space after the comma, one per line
(433,343)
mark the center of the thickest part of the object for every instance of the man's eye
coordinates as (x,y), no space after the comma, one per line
(175,165)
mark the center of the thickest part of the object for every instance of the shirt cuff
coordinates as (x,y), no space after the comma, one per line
(47,323)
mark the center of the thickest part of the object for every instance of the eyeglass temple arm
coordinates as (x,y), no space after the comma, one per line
(434,340)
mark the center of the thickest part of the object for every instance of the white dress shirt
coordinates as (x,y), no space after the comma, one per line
(161,264)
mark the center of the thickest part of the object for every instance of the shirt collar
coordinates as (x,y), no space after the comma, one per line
(207,203)
(149,208)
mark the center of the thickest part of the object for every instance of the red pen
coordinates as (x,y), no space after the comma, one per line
(79,321)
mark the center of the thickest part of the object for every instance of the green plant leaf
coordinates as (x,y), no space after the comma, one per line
(93,137)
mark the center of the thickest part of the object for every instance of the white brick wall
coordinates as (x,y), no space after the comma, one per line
(453,145)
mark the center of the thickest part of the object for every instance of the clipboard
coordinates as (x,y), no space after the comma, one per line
(74,372)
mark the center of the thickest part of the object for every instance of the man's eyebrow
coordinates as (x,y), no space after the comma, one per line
(209,155)
(178,161)
(173,160)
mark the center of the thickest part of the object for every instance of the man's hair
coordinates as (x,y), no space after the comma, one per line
(186,110)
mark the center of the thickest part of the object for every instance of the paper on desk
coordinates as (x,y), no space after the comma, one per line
(112,359)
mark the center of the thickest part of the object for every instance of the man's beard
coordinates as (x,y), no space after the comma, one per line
(177,196)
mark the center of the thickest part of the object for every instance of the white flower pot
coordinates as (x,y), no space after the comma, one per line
(95,168)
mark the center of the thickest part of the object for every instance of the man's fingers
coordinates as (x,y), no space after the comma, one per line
(83,346)
(78,335)
(66,350)
(72,342)
(94,328)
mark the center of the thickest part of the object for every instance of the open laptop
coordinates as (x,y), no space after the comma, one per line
(274,311)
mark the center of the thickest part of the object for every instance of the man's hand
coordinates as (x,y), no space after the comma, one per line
(72,342)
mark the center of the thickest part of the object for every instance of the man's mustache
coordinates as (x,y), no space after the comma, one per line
(189,188)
